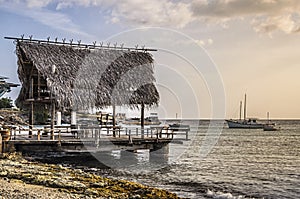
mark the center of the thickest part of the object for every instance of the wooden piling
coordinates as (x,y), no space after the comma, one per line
(52,118)
(0,143)
(39,135)
(31,114)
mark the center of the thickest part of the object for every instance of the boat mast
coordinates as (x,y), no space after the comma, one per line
(268,116)
(245,107)
(241,110)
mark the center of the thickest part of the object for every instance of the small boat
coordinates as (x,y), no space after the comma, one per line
(269,126)
(177,126)
(251,123)
(151,120)
(246,123)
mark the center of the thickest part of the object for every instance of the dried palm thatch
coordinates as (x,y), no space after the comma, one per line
(81,78)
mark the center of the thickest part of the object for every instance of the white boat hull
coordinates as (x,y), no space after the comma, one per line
(244,125)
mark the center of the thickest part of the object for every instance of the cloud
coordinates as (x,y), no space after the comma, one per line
(265,15)
(37,3)
(268,15)
(56,20)
(139,12)
(286,23)
(204,43)
(153,13)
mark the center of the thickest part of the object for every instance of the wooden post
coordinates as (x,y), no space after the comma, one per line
(129,137)
(0,143)
(59,135)
(142,114)
(114,120)
(142,119)
(39,135)
(31,114)
(15,133)
(58,118)
(52,118)
(39,86)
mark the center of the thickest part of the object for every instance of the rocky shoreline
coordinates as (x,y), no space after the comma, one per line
(21,178)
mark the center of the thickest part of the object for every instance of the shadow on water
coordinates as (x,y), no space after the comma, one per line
(75,160)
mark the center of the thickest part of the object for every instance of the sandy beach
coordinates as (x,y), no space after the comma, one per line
(17,189)
(21,178)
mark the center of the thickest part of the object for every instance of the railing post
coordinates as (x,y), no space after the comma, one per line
(147,132)
(151,133)
(59,135)
(137,131)
(15,132)
(97,136)
(142,133)
(129,136)
(0,143)
(39,135)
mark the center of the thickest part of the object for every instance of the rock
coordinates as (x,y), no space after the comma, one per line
(74,183)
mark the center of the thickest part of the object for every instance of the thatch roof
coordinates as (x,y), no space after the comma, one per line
(81,78)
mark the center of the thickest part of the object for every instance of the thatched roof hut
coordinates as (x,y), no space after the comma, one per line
(81,78)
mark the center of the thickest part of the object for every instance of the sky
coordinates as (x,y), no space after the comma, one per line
(210,52)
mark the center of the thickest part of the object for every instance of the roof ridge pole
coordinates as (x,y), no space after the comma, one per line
(63,42)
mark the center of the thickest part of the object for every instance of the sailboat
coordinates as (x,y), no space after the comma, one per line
(270,126)
(246,123)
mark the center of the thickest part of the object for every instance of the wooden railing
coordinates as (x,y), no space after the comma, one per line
(91,132)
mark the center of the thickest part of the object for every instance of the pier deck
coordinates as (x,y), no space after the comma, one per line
(88,139)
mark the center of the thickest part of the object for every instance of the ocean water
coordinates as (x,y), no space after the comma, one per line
(241,163)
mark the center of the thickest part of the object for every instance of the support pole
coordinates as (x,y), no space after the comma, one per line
(142,119)
(73,123)
(58,118)
(114,115)
(31,114)
(0,143)
(52,119)
(114,120)
(142,115)
(73,119)
(31,118)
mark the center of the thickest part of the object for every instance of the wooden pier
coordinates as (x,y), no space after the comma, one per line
(88,139)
